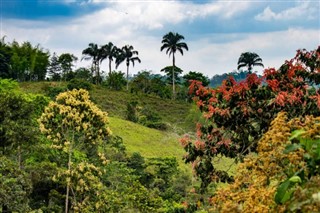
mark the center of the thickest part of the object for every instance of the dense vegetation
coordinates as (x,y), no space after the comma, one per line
(81,141)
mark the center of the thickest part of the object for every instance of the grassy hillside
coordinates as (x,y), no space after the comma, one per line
(179,115)
(148,142)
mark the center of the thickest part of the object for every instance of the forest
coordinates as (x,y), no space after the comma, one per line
(88,140)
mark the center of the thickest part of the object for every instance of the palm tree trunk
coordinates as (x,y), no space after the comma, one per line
(109,66)
(127,77)
(173,79)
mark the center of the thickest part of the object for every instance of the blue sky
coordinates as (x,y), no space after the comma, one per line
(217,32)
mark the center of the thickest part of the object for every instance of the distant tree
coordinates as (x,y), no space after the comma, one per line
(5,57)
(83,73)
(54,69)
(249,59)
(110,52)
(28,62)
(142,81)
(93,53)
(127,54)
(217,79)
(66,61)
(172,76)
(116,80)
(172,43)
(195,76)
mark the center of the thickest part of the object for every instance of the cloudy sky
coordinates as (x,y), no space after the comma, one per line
(217,32)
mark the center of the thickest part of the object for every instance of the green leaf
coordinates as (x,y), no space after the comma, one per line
(282,192)
(295,179)
(296,134)
(291,148)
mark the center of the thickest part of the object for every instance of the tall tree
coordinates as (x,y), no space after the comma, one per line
(66,61)
(54,69)
(170,77)
(74,122)
(127,54)
(173,42)
(198,76)
(93,52)
(5,57)
(249,59)
(109,51)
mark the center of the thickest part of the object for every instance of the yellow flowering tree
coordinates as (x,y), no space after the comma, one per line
(73,123)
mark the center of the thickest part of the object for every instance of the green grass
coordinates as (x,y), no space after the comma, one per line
(148,142)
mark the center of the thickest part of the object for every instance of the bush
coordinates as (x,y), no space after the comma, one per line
(79,84)
(53,91)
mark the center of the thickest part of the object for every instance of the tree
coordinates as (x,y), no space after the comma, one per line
(93,53)
(172,76)
(5,57)
(73,123)
(116,80)
(172,42)
(28,62)
(109,51)
(198,76)
(142,81)
(127,54)
(238,113)
(66,61)
(54,69)
(249,59)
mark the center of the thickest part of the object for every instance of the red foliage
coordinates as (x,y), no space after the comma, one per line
(238,113)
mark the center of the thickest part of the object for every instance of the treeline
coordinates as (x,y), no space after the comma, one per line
(25,62)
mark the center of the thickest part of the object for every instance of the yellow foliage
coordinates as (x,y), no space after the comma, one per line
(258,176)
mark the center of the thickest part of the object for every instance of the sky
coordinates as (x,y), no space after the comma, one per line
(216,32)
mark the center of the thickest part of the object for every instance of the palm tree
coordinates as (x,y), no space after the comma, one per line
(93,52)
(127,54)
(172,42)
(249,59)
(109,51)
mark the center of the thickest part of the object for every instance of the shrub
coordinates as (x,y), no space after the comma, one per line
(79,84)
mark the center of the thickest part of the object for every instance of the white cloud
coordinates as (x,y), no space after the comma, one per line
(303,9)
(131,23)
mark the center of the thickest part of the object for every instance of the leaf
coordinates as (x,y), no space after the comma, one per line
(282,192)
(291,148)
(296,134)
(295,179)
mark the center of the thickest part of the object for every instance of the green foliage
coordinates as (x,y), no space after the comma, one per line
(15,187)
(8,85)
(16,126)
(115,80)
(28,63)
(198,76)
(249,59)
(53,91)
(169,73)
(79,84)
(144,116)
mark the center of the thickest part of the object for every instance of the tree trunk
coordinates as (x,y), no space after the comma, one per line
(173,78)
(127,77)
(19,157)
(68,182)
(109,67)
(127,63)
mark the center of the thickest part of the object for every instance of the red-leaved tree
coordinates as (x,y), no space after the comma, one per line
(237,114)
